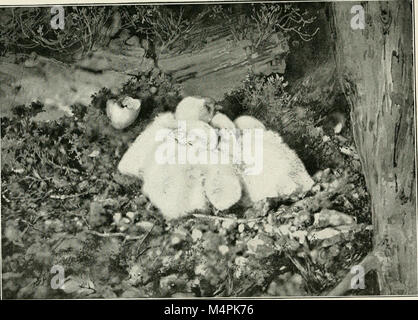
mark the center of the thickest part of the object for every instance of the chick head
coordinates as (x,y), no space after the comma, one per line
(196,108)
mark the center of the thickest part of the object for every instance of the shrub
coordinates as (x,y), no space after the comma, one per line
(29,29)
(266,98)
(260,25)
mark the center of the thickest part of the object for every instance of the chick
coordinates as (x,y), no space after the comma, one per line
(196,108)
(222,185)
(221,121)
(142,150)
(248,122)
(176,190)
(282,173)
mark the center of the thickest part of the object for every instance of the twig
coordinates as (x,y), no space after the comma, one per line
(205,216)
(29,224)
(64,197)
(143,239)
(116,234)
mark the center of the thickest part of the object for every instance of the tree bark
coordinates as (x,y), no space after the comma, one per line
(376,71)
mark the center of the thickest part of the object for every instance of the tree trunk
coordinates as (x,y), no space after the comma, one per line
(375,67)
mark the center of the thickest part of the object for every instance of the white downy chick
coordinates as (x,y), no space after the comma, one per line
(142,150)
(176,190)
(222,185)
(248,122)
(221,121)
(199,135)
(196,108)
(297,170)
(282,172)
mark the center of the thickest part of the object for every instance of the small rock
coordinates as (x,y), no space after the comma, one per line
(196,234)
(284,229)
(333,218)
(131,215)
(32,61)
(94,154)
(338,128)
(268,228)
(300,235)
(124,34)
(317,176)
(341,138)
(117,217)
(145,225)
(323,234)
(153,90)
(223,249)
(117,46)
(241,228)
(133,41)
(301,217)
(228,224)
(261,245)
(125,220)
(175,240)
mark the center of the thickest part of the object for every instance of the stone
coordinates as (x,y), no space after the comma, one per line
(133,41)
(333,218)
(32,61)
(124,34)
(95,63)
(145,225)
(324,234)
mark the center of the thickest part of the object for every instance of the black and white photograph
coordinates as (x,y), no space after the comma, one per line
(205,150)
